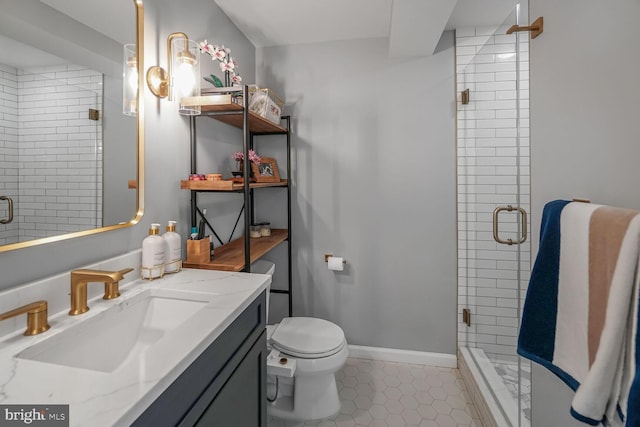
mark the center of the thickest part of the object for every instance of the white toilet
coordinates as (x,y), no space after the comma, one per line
(305,354)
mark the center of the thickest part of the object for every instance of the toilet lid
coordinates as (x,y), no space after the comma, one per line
(307,336)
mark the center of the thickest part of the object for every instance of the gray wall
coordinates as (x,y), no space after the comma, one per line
(168,152)
(374,173)
(584,128)
(374,182)
(118,153)
(167,156)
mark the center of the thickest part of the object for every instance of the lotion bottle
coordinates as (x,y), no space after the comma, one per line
(173,259)
(153,254)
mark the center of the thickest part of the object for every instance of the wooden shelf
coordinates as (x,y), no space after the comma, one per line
(230,257)
(221,107)
(226,185)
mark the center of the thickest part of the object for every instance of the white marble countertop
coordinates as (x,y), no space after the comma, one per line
(117,398)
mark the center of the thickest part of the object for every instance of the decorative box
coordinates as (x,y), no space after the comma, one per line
(266,104)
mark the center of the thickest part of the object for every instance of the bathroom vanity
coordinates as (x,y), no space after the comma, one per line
(225,385)
(181,350)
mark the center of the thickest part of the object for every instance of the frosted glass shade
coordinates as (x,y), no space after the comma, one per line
(129,81)
(185,74)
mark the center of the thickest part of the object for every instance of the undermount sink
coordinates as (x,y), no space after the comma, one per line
(106,340)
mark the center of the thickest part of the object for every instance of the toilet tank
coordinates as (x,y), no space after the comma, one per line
(263,267)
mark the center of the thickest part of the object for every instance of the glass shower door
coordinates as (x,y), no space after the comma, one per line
(493,198)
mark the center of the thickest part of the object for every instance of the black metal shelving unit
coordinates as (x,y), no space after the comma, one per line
(219,104)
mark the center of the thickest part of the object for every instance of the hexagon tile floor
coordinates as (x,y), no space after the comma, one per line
(386,394)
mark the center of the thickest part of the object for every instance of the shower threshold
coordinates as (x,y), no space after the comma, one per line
(494,400)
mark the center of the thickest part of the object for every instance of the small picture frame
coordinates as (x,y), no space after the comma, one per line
(266,170)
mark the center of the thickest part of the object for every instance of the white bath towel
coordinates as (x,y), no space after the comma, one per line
(580,316)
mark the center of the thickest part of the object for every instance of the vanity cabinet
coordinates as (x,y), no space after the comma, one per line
(225,385)
(238,254)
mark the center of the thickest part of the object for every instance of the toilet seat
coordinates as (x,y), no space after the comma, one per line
(307,337)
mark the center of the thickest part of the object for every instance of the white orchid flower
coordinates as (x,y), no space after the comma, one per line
(226,66)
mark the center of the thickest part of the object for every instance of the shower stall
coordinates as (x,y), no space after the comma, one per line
(493,202)
(50,151)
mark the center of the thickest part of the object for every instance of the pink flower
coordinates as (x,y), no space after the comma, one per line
(207,48)
(238,156)
(222,54)
(218,54)
(253,157)
(226,66)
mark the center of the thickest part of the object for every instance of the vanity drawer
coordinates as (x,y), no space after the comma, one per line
(196,388)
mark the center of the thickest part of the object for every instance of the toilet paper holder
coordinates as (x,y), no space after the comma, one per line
(327,256)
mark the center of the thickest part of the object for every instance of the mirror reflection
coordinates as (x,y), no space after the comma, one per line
(67,152)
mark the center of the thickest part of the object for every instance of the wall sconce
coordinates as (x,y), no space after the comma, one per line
(129,81)
(182,79)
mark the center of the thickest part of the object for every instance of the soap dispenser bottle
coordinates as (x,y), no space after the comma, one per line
(173,259)
(153,254)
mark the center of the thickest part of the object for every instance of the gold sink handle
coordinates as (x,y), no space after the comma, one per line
(36,317)
(80,279)
(111,290)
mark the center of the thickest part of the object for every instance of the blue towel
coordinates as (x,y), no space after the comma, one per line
(633,404)
(580,316)
(537,331)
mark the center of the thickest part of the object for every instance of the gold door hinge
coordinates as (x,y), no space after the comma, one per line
(465,96)
(466,316)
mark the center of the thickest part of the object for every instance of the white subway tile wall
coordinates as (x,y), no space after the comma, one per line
(488,163)
(47,136)
(8,149)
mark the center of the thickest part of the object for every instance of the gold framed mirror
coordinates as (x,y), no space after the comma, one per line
(67,166)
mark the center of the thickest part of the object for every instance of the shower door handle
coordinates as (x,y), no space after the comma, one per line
(10,217)
(509,208)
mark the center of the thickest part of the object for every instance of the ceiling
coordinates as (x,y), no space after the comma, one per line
(112,19)
(412,26)
(25,56)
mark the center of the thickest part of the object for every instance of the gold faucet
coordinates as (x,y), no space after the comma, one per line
(79,280)
(36,317)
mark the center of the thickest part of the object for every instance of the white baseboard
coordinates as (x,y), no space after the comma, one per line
(403,356)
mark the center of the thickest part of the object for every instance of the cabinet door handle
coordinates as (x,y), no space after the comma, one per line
(10,202)
(509,208)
